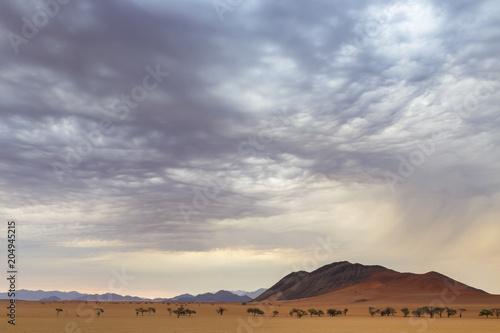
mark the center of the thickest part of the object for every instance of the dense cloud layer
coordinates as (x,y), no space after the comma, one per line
(181,127)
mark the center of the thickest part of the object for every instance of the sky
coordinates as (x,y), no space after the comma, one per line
(153,148)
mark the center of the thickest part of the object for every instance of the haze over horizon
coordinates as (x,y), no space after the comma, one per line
(154,149)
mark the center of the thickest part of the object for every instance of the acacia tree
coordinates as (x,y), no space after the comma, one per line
(485,312)
(320,312)
(418,312)
(58,310)
(98,312)
(390,311)
(331,312)
(300,313)
(439,311)
(220,310)
(387,311)
(462,310)
(313,312)
(373,311)
(405,312)
(345,311)
(169,311)
(255,311)
(451,312)
(151,310)
(429,310)
(496,312)
(180,311)
(141,310)
(275,313)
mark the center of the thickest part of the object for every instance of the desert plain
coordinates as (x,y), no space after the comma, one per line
(36,316)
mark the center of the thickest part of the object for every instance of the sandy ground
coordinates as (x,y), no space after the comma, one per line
(121,317)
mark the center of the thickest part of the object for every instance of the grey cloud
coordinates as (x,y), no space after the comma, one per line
(350,115)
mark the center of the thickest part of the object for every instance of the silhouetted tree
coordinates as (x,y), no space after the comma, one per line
(220,310)
(151,310)
(405,312)
(485,312)
(58,310)
(451,312)
(462,310)
(345,311)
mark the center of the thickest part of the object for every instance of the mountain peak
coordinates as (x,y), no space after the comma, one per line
(343,274)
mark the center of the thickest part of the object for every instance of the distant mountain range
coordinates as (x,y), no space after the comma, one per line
(220,296)
(355,281)
(35,295)
(251,294)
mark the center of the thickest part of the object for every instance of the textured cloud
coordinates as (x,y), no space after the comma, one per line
(131,126)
